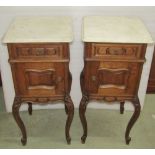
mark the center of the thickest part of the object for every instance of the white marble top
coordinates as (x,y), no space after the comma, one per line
(115,30)
(39,29)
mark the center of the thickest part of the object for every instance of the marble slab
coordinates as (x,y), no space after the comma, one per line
(115,30)
(39,29)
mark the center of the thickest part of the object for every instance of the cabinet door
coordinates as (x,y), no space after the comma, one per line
(39,79)
(112,78)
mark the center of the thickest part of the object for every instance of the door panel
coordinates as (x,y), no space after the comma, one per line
(39,79)
(112,78)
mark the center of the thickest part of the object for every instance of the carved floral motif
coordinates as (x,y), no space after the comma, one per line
(48,51)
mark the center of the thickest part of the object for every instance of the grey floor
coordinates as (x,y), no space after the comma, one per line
(2,105)
(45,128)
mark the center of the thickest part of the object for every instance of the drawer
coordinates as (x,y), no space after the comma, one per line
(39,79)
(38,51)
(112,78)
(115,51)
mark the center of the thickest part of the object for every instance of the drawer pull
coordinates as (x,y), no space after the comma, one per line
(93,78)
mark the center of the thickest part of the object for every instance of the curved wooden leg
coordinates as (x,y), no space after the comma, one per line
(82,81)
(122,107)
(30,108)
(15,110)
(133,119)
(70,112)
(66,110)
(82,110)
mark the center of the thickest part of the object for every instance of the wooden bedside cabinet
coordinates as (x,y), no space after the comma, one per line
(39,57)
(114,53)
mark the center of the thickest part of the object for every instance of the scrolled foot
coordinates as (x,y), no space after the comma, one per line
(128,140)
(83,139)
(68,139)
(23,141)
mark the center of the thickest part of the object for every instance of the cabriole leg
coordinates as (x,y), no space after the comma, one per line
(82,110)
(66,110)
(15,111)
(133,119)
(70,112)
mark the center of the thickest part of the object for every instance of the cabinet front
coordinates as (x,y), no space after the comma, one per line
(39,79)
(112,78)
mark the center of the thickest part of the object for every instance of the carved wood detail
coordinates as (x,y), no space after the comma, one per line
(35,52)
(37,79)
(122,50)
(116,78)
(115,51)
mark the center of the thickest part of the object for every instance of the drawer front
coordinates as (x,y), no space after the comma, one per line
(112,78)
(116,51)
(39,51)
(39,79)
